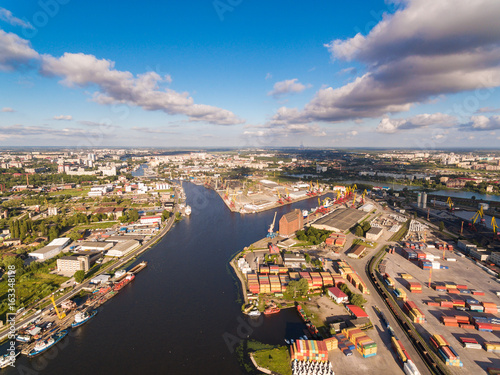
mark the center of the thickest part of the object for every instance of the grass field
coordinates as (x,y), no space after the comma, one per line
(72,192)
(30,288)
(274,358)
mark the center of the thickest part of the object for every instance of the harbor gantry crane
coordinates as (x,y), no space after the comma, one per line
(363,197)
(270,232)
(496,234)
(478,214)
(280,200)
(354,200)
(59,315)
(233,201)
(287,197)
(226,196)
(451,204)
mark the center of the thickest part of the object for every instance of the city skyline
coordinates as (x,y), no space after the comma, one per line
(402,74)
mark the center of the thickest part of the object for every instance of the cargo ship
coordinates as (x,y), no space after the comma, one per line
(43,345)
(124,282)
(82,317)
(272,310)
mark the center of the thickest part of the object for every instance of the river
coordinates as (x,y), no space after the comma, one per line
(180,312)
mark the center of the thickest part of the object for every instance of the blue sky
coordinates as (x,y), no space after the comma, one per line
(245,73)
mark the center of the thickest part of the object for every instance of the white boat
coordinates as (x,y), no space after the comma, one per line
(254,312)
(8,359)
(187,210)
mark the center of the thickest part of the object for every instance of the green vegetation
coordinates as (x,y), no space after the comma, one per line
(70,192)
(79,276)
(361,228)
(370,244)
(301,286)
(354,298)
(441,226)
(313,235)
(274,358)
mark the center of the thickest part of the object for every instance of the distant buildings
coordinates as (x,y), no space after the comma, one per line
(51,250)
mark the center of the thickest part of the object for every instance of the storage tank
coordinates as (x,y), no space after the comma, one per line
(424,200)
(419,200)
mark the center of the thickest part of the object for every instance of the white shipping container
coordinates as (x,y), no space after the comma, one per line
(410,368)
(435,265)
(451,259)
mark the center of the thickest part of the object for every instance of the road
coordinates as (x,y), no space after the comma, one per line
(110,267)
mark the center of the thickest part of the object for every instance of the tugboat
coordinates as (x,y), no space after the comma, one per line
(43,345)
(254,312)
(272,310)
(83,317)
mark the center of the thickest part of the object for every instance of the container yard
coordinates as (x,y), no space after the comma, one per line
(450,300)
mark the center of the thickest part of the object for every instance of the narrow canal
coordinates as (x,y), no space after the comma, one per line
(180,313)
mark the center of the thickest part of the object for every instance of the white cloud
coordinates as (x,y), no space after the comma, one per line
(487,110)
(412,56)
(20,131)
(482,123)
(289,86)
(81,70)
(15,52)
(7,16)
(7,109)
(63,117)
(388,125)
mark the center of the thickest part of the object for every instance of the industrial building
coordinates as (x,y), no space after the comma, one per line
(151,220)
(291,222)
(96,246)
(337,295)
(374,234)
(68,265)
(340,220)
(123,248)
(51,250)
(294,260)
(356,251)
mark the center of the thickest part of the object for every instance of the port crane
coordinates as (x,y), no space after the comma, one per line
(287,197)
(478,214)
(354,200)
(280,200)
(363,197)
(59,315)
(496,234)
(270,231)
(451,204)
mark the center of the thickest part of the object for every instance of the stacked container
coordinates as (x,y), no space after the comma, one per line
(264,269)
(327,278)
(470,343)
(445,351)
(309,350)
(414,287)
(265,286)
(253,283)
(275,283)
(317,281)
(416,315)
(400,294)
(424,264)
(305,275)
(332,343)
(490,307)
(474,305)
(406,276)
(365,345)
(409,254)
(492,347)
(274,269)
(344,344)
(389,280)
(284,280)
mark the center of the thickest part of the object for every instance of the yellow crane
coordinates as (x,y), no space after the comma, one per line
(338,194)
(450,203)
(326,200)
(59,315)
(363,196)
(354,187)
(495,227)
(354,200)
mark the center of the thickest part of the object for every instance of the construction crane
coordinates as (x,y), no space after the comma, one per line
(270,231)
(450,203)
(288,198)
(59,315)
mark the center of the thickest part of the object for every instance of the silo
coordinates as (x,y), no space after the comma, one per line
(419,199)
(424,200)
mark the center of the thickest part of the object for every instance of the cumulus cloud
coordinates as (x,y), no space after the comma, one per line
(7,16)
(81,70)
(289,86)
(411,56)
(482,123)
(63,117)
(7,109)
(272,132)
(15,52)
(388,125)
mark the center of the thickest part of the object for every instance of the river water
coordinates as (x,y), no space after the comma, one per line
(180,315)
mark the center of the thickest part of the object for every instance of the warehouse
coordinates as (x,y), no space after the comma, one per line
(291,222)
(337,295)
(51,250)
(340,220)
(356,251)
(95,246)
(294,260)
(374,234)
(123,248)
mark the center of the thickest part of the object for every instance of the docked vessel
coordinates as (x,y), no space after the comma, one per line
(23,338)
(82,318)
(43,345)
(272,310)
(124,282)
(7,359)
(187,210)
(254,312)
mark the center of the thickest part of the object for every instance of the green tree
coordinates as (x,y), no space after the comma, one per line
(357,299)
(301,286)
(79,276)
(441,226)
(366,226)
(359,231)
